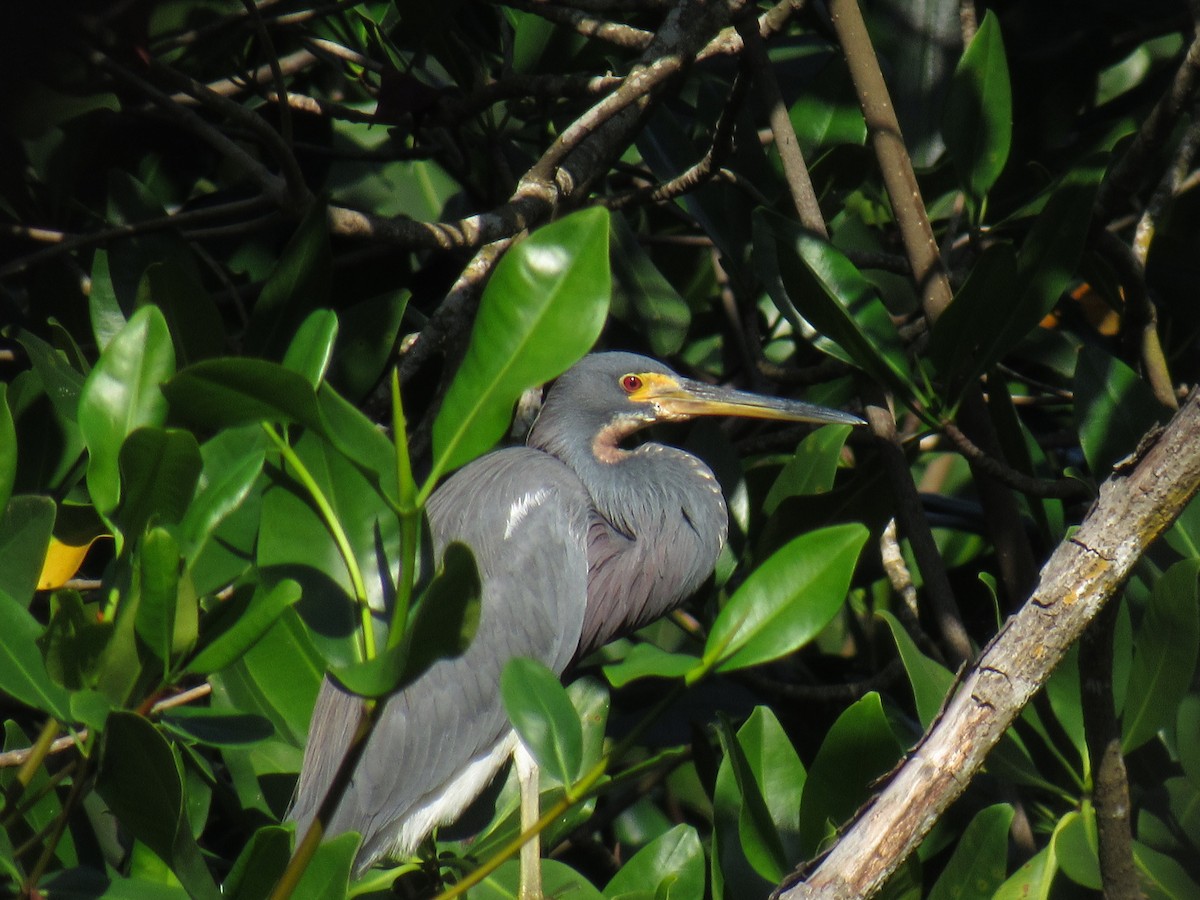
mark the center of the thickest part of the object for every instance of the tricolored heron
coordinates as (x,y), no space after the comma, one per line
(577,540)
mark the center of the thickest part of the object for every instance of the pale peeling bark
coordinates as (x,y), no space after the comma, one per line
(1136,505)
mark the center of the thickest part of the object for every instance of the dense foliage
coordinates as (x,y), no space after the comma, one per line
(272,270)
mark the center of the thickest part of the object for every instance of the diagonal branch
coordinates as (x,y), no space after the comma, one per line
(1135,507)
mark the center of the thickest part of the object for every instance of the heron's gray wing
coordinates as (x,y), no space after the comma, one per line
(524,515)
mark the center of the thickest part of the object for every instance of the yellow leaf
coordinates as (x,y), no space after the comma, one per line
(62,562)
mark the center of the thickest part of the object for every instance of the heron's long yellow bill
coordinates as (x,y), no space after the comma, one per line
(684,399)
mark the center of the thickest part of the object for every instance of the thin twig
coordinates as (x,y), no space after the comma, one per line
(1058,489)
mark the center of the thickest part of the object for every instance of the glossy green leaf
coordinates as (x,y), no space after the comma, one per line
(311,350)
(779,776)
(277,678)
(221,393)
(787,600)
(1165,653)
(760,838)
(1076,847)
(930,680)
(542,310)
(8,449)
(26,524)
(104,309)
(977,867)
(543,716)
(159,470)
(977,121)
(447,616)
(62,381)
(23,672)
(814,285)
(230,463)
(140,779)
(295,542)
(300,283)
(237,624)
(649,661)
(122,393)
(859,748)
(1113,409)
(812,467)
(1033,880)
(674,860)
(159,568)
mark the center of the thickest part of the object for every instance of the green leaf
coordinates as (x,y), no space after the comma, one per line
(159,568)
(1187,736)
(859,748)
(1163,877)
(976,869)
(760,838)
(140,779)
(642,297)
(965,338)
(930,680)
(542,310)
(544,717)
(103,307)
(159,469)
(447,616)
(173,285)
(122,394)
(300,283)
(1113,409)
(815,286)
(26,524)
(366,341)
(558,880)
(977,121)
(779,776)
(812,467)
(827,113)
(23,672)
(8,449)
(327,876)
(222,393)
(649,661)
(230,464)
(1075,845)
(311,349)
(1033,880)
(1165,651)
(786,601)
(216,728)
(63,382)
(238,623)
(259,864)
(675,859)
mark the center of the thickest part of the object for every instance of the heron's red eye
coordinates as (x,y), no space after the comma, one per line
(630,383)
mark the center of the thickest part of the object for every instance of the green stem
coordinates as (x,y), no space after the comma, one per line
(410,518)
(336,531)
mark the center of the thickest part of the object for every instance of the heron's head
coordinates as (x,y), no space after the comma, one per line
(605,397)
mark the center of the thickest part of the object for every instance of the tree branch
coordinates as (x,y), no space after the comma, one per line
(1135,507)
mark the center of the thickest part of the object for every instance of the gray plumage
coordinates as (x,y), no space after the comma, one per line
(577,541)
